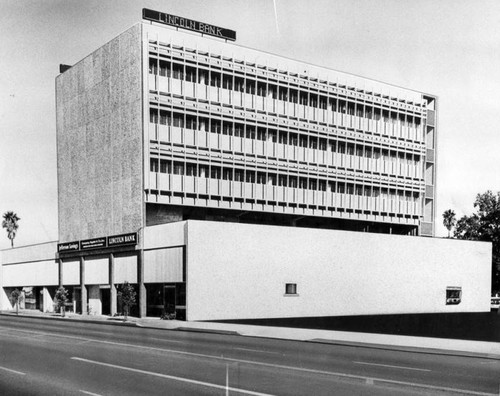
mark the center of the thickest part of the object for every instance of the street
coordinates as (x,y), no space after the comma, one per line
(40,356)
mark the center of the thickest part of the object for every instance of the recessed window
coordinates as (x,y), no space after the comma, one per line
(453,295)
(290,289)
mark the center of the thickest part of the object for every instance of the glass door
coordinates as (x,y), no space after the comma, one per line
(169,299)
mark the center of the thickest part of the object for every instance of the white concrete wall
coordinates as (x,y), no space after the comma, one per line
(33,265)
(240,271)
(4,300)
(165,235)
(125,269)
(71,272)
(22,254)
(97,271)
(39,273)
(163,265)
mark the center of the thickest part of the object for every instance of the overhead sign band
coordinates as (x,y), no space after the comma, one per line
(97,243)
(188,24)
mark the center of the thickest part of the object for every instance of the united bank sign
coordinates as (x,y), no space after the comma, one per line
(189,24)
(98,243)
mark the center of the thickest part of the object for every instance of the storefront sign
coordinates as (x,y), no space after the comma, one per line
(97,243)
(121,240)
(68,246)
(188,24)
(93,243)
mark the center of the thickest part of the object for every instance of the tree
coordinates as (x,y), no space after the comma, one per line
(15,298)
(10,223)
(484,225)
(127,297)
(449,220)
(60,299)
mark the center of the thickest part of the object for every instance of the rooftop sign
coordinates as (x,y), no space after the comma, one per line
(188,24)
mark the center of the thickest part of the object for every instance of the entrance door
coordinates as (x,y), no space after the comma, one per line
(106,301)
(169,299)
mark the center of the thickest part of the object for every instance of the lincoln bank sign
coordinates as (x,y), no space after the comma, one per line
(96,243)
(188,24)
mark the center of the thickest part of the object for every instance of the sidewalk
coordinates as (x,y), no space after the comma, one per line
(381,341)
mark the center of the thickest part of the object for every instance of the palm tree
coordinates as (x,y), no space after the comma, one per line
(9,222)
(449,220)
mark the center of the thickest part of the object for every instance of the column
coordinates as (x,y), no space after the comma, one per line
(60,272)
(48,303)
(142,287)
(82,285)
(112,284)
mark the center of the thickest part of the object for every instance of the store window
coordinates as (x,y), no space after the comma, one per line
(291,289)
(453,295)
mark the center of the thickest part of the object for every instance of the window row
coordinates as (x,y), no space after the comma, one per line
(287,94)
(255,132)
(273,179)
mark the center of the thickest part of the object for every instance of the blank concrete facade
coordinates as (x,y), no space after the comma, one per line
(239,271)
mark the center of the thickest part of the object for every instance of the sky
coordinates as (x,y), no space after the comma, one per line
(448,48)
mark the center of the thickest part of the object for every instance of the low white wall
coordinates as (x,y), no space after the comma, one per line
(240,271)
(39,273)
(33,265)
(23,254)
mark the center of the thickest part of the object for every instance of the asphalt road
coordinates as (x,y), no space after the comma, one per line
(42,357)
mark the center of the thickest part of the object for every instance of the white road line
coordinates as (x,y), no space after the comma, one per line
(12,371)
(257,350)
(390,366)
(90,393)
(167,340)
(172,377)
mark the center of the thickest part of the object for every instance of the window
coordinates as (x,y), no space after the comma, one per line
(453,295)
(291,289)
(153,68)
(153,162)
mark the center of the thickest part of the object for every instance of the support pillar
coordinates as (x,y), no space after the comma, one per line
(112,292)
(48,301)
(142,287)
(82,285)
(60,272)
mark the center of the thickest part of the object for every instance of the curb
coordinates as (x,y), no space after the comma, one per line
(212,331)
(402,348)
(69,319)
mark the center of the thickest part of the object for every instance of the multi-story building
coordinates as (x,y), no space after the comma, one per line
(162,125)
(229,132)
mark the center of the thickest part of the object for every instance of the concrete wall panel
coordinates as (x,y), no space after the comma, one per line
(165,235)
(97,271)
(40,273)
(125,269)
(242,270)
(99,141)
(71,272)
(163,265)
(42,251)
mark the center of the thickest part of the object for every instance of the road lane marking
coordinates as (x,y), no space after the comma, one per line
(342,375)
(172,377)
(90,393)
(167,340)
(12,371)
(390,366)
(257,350)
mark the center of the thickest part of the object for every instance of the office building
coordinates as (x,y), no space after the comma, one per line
(171,128)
